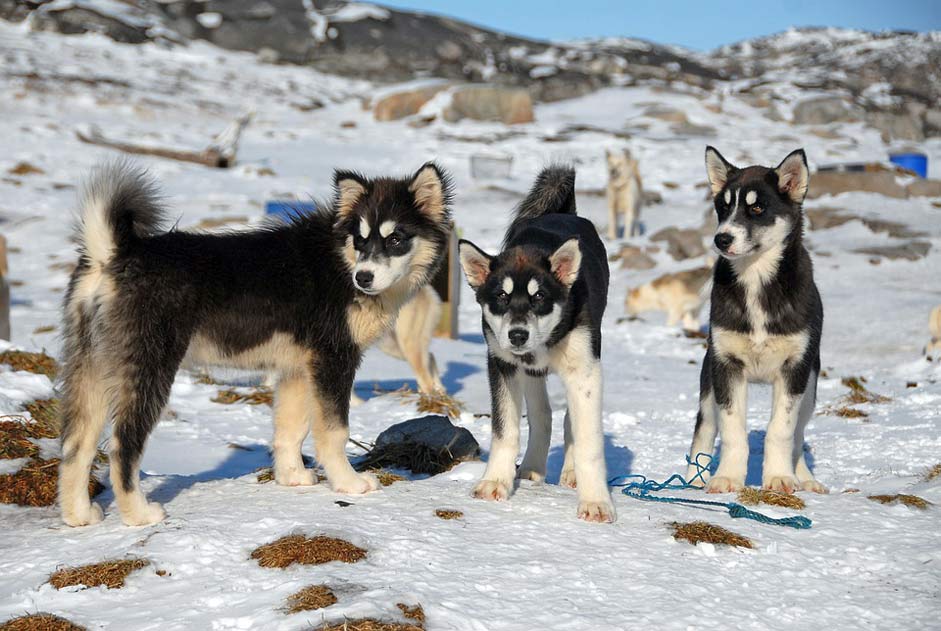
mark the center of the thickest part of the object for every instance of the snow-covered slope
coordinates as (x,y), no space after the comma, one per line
(528,563)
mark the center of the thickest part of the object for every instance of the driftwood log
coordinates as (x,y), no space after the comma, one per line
(219,154)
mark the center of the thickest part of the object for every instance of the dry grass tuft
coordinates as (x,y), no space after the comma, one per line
(753,497)
(25,168)
(415,457)
(445,513)
(299,549)
(266,475)
(15,441)
(415,613)
(111,574)
(48,328)
(39,622)
(700,531)
(368,624)
(38,363)
(387,478)
(860,393)
(311,598)
(848,412)
(431,402)
(36,484)
(45,414)
(909,500)
(256,397)
(931,473)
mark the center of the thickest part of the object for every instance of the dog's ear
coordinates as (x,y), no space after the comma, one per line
(718,170)
(793,176)
(566,261)
(476,263)
(350,187)
(431,187)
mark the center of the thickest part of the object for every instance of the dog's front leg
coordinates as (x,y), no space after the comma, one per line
(790,410)
(539,415)
(583,385)
(730,391)
(291,425)
(612,197)
(506,402)
(333,383)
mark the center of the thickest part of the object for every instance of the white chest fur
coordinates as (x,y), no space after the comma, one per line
(761,356)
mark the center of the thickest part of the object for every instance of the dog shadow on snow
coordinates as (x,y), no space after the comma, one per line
(617,457)
(756,454)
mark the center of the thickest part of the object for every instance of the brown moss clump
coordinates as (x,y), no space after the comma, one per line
(25,168)
(848,412)
(387,478)
(700,531)
(900,498)
(369,624)
(45,414)
(416,457)
(311,598)
(40,622)
(36,484)
(48,328)
(931,473)
(860,393)
(431,402)
(753,497)
(415,613)
(15,442)
(38,363)
(111,574)
(299,549)
(256,397)
(445,513)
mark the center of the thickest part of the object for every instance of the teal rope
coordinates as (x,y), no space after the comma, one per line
(639,487)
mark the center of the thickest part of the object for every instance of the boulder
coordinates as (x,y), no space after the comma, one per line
(666,114)
(635,257)
(822,110)
(435,432)
(406,102)
(682,244)
(836,182)
(901,126)
(911,251)
(490,103)
(924,187)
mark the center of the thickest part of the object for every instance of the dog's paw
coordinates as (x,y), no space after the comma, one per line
(494,490)
(149,513)
(699,481)
(599,512)
(781,483)
(295,477)
(529,474)
(567,479)
(814,486)
(722,484)
(357,484)
(85,517)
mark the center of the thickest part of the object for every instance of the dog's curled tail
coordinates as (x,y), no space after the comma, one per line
(119,204)
(553,192)
(934,323)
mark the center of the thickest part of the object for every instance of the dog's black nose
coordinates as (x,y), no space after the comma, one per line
(724,240)
(518,337)
(364,279)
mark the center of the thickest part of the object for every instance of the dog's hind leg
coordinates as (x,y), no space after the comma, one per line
(330,397)
(804,476)
(567,477)
(414,329)
(506,394)
(84,410)
(291,425)
(704,436)
(539,415)
(612,198)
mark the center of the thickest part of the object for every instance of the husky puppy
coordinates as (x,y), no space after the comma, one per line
(543,298)
(624,193)
(303,299)
(680,294)
(766,319)
(934,326)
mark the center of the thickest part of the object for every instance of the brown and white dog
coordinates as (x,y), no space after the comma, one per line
(625,193)
(681,295)
(934,325)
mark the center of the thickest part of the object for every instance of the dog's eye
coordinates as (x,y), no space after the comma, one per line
(393,240)
(539,296)
(503,296)
(757,210)
(358,242)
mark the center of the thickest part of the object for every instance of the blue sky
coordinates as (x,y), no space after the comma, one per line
(700,25)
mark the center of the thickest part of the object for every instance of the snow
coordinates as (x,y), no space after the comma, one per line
(210,19)
(528,563)
(356,11)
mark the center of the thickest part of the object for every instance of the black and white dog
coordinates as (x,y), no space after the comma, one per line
(765,324)
(303,299)
(543,298)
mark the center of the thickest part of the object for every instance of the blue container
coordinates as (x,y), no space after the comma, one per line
(288,210)
(915,162)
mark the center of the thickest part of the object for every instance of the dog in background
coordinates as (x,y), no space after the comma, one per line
(680,294)
(542,299)
(410,340)
(765,323)
(303,299)
(934,326)
(625,193)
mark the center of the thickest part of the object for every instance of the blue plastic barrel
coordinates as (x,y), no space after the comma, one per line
(289,209)
(915,162)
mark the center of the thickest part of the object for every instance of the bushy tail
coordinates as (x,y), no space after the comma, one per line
(119,203)
(934,323)
(553,192)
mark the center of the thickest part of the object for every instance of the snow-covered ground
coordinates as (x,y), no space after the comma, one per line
(525,564)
